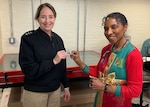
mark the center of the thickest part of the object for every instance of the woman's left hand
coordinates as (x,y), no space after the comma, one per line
(67,95)
(95,83)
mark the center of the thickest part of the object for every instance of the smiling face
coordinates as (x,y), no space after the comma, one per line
(46,19)
(114,30)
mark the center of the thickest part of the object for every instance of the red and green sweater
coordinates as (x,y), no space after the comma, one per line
(127,65)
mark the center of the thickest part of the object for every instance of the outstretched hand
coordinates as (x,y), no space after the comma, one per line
(75,55)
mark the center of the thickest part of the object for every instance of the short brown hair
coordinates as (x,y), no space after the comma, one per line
(41,7)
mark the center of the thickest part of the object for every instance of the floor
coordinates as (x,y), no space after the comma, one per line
(88,94)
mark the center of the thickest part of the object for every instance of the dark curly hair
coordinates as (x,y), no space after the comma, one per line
(118,16)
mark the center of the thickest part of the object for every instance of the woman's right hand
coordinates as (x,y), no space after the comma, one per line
(59,56)
(75,55)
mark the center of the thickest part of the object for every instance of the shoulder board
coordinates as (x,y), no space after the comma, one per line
(29,33)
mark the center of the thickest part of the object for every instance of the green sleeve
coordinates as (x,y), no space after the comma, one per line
(86,69)
(118,91)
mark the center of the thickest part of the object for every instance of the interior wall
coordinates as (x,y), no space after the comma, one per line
(66,22)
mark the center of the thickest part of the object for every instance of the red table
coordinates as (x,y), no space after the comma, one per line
(11,74)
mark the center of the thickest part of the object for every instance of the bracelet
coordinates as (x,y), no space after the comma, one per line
(106,87)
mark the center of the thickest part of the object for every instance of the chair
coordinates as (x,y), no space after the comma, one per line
(146,81)
(145,51)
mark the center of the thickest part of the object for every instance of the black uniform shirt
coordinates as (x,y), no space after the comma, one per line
(37,50)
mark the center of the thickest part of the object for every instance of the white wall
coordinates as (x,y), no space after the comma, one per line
(136,11)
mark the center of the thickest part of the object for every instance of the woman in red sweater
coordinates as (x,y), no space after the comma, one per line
(118,77)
